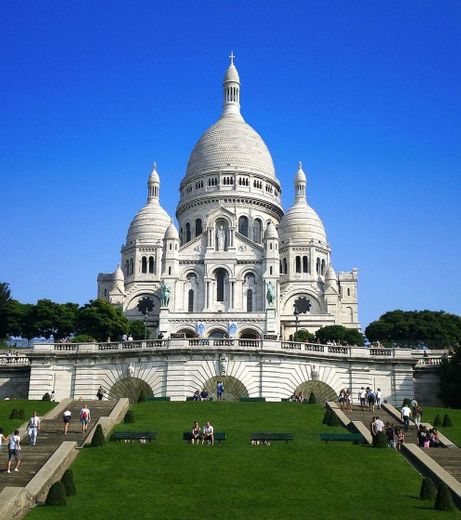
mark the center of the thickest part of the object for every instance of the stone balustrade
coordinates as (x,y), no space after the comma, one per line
(265,345)
(13,360)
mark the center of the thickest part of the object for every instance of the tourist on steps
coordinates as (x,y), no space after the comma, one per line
(66,417)
(14,450)
(85,418)
(33,428)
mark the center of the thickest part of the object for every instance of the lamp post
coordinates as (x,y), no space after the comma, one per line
(145,305)
(296,314)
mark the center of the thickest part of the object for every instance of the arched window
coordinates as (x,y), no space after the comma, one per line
(131,266)
(257,230)
(281,268)
(305,264)
(298,264)
(348,291)
(127,267)
(285,266)
(198,227)
(144,265)
(323,267)
(243,225)
(151,264)
(270,270)
(317,266)
(249,300)
(220,277)
(188,233)
(190,300)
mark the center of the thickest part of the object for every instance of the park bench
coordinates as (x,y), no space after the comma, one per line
(351,437)
(218,436)
(252,399)
(160,398)
(134,436)
(271,436)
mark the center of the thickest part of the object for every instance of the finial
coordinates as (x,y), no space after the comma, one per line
(232,56)
(154,166)
(300,165)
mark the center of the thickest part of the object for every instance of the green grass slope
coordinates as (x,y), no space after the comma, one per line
(8,424)
(453,432)
(170,479)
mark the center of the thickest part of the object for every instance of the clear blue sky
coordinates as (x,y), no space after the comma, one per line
(365,93)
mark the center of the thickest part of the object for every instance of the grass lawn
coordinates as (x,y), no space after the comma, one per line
(453,432)
(9,425)
(170,479)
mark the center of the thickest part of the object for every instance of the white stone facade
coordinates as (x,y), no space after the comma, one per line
(236,264)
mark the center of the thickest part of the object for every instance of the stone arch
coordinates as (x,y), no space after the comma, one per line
(249,333)
(130,387)
(318,305)
(234,389)
(188,331)
(217,333)
(322,391)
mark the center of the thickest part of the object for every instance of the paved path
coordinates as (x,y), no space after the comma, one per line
(448,458)
(50,436)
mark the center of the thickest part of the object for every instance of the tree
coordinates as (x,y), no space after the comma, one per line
(450,380)
(100,320)
(137,329)
(436,329)
(340,334)
(304,336)
(5,297)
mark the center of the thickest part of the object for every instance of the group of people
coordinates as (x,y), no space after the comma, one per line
(411,410)
(369,399)
(296,398)
(203,435)
(345,400)
(204,395)
(394,434)
(85,419)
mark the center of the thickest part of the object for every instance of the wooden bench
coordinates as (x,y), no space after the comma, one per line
(271,436)
(218,437)
(351,437)
(252,399)
(134,436)
(160,398)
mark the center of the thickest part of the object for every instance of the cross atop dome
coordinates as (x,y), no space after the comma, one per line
(232,56)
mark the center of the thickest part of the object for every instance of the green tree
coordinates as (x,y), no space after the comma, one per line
(137,329)
(101,320)
(304,336)
(450,380)
(339,334)
(436,329)
(5,298)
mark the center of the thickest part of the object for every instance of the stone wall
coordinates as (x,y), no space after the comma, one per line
(14,381)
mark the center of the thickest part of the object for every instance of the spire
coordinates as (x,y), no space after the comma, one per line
(153,185)
(231,86)
(300,184)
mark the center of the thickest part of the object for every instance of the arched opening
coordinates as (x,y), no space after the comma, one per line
(322,269)
(144,265)
(249,300)
(317,266)
(189,333)
(198,227)
(218,334)
(233,388)
(298,264)
(151,264)
(188,232)
(130,387)
(285,266)
(249,334)
(221,235)
(131,266)
(220,279)
(243,225)
(190,300)
(321,390)
(257,230)
(305,264)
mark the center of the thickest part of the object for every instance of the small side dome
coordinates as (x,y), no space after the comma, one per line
(271,231)
(118,275)
(171,232)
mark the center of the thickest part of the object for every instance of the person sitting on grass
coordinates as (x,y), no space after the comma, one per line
(196,434)
(204,395)
(196,396)
(208,434)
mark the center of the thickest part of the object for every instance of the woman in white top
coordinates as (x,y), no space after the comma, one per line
(2,438)
(14,450)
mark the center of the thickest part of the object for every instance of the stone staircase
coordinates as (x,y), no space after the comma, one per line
(447,458)
(50,436)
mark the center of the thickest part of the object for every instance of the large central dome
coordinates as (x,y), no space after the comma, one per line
(230,144)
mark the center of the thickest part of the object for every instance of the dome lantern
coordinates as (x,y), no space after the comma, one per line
(153,185)
(300,184)
(231,86)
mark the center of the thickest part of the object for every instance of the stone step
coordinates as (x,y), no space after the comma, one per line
(50,436)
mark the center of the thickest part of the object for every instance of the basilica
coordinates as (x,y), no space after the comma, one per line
(236,265)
